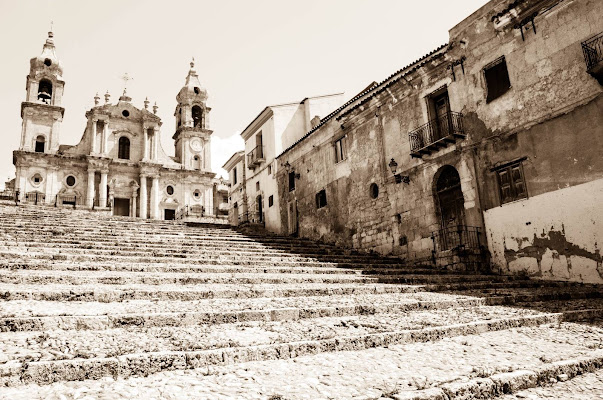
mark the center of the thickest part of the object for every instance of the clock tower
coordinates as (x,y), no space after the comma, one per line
(193,136)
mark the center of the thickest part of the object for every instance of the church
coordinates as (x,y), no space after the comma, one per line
(119,165)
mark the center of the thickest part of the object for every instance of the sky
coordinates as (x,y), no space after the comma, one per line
(248,54)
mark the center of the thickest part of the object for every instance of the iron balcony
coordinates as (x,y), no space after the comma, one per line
(436,134)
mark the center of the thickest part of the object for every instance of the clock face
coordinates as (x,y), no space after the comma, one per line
(196,144)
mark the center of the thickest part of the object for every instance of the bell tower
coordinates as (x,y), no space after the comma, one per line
(41,111)
(193,136)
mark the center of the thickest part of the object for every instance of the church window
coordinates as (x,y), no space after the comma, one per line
(124,148)
(197,90)
(197,194)
(40,144)
(234,176)
(197,162)
(125,113)
(45,91)
(169,190)
(197,117)
(47,62)
(70,181)
(37,179)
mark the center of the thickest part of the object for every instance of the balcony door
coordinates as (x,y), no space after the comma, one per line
(441,105)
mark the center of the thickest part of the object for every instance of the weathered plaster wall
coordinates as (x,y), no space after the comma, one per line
(555,235)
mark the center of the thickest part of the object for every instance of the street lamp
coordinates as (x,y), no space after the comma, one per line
(393,166)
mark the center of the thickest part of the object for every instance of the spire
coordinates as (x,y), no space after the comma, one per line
(192,77)
(146,103)
(96,99)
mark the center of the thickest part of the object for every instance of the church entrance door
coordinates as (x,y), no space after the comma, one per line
(169,214)
(121,207)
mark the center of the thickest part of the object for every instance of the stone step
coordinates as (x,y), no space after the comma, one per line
(120,241)
(216,316)
(34,308)
(110,293)
(14,256)
(465,366)
(128,352)
(186,253)
(180,268)
(119,278)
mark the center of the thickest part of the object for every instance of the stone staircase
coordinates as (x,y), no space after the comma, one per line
(113,307)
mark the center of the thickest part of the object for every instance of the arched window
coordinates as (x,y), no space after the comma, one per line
(124,148)
(40,144)
(197,162)
(197,117)
(45,91)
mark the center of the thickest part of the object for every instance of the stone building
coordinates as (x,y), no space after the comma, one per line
(237,194)
(489,146)
(273,130)
(119,164)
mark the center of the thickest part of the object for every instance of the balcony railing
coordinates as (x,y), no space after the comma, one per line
(593,55)
(456,237)
(437,133)
(256,156)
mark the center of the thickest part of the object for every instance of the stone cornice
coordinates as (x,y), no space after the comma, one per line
(27,104)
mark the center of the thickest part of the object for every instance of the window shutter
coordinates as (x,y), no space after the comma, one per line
(518,183)
(505,186)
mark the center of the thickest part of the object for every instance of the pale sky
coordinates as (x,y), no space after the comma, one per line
(249,54)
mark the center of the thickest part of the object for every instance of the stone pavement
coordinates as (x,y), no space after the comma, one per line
(96,307)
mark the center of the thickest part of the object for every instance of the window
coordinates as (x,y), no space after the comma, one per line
(197,117)
(374,190)
(70,181)
(234,176)
(511,182)
(125,113)
(47,62)
(196,90)
(197,194)
(169,190)
(497,79)
(37,179)
(340,149)
(321,199)
(257,186)
(270,201)
(291,181)
(270,170)
(124,148)
(40,143)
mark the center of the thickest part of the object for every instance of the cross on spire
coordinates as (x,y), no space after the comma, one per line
(126,78)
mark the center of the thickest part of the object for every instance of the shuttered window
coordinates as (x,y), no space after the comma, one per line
(511,183)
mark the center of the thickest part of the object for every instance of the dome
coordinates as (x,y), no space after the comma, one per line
(48,59)
(192,88)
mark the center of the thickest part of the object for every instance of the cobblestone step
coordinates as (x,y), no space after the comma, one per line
(108,293)
(119,278)
(137,364)
(398,371)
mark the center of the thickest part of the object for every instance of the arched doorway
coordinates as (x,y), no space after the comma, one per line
(450,206)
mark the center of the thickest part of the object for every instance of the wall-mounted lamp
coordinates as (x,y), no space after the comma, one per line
(290,169)
(393,165)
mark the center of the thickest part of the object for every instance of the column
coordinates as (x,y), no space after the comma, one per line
(133,201)
(155,142)
(93,144)
(104,138)
(90,198)
(155,198)
(143,196)
(146,143)
(102,202)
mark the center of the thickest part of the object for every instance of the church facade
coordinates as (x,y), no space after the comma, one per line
(119,165)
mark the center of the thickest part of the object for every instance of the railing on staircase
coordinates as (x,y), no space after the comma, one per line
(9,195)
(456,237)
